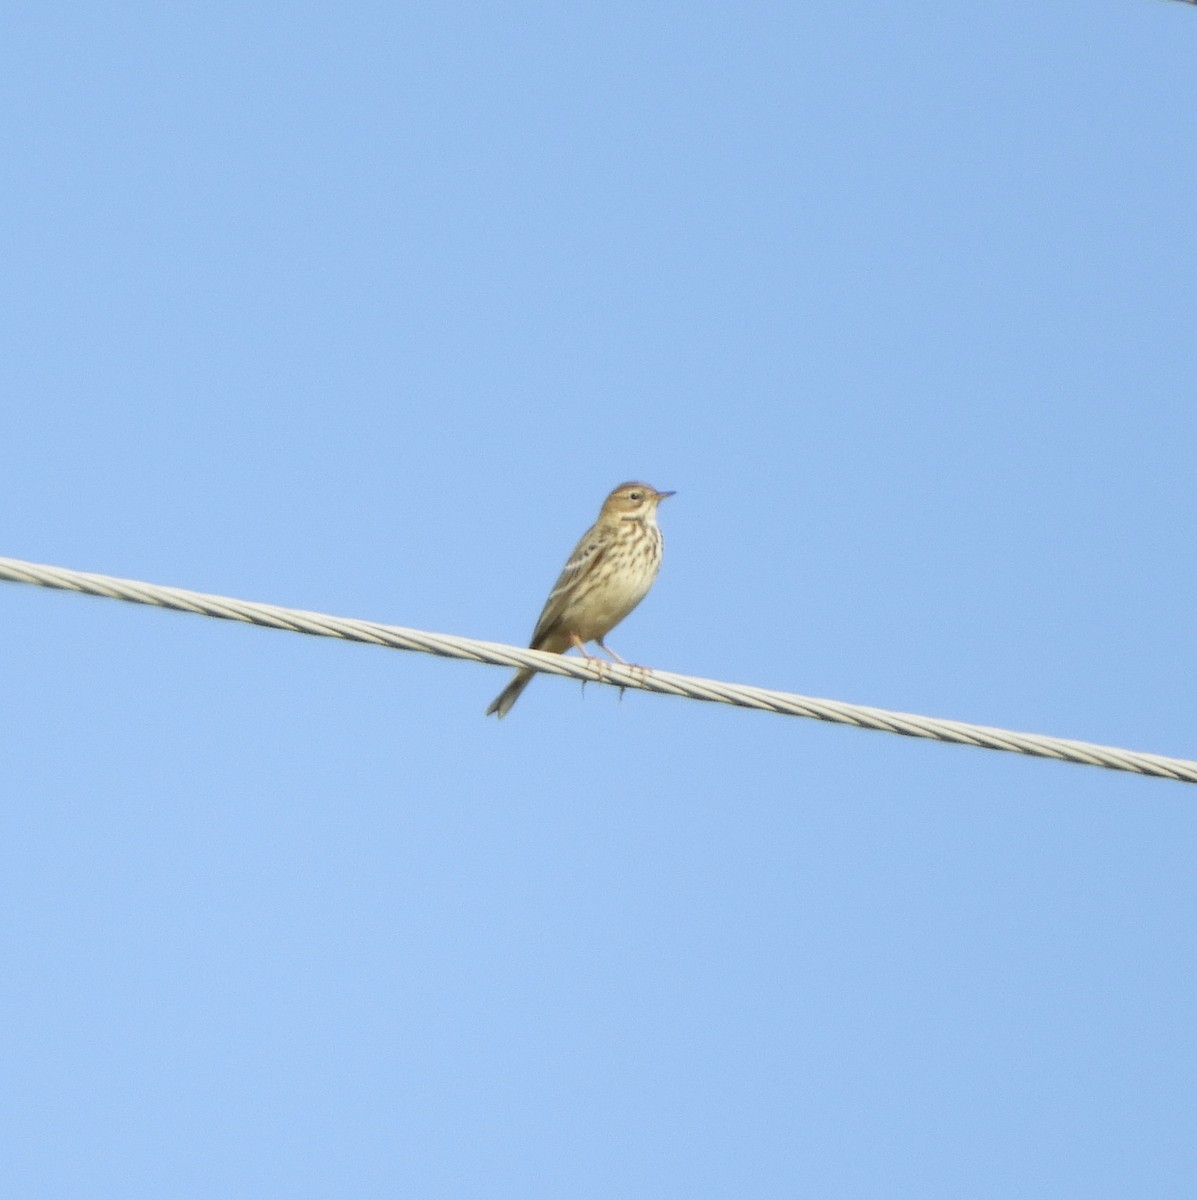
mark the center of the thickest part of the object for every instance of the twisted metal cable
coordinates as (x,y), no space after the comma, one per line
(688,686)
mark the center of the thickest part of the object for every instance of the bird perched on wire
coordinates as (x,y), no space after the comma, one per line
(607,575)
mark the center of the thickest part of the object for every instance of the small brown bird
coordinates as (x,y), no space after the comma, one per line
(607,575)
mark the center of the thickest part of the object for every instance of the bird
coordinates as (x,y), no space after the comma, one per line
(607,575)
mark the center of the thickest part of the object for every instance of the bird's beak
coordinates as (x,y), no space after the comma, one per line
(664,496)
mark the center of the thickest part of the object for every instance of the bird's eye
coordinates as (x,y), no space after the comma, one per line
(635,495)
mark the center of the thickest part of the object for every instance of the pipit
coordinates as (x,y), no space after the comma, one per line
(607,575)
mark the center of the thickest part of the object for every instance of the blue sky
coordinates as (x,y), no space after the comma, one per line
(364,309)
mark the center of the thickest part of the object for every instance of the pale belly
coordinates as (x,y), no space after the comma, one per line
(601,607)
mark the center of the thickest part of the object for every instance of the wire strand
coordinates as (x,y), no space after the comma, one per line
(395,637)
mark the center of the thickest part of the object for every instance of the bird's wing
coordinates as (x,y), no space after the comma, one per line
(587,553)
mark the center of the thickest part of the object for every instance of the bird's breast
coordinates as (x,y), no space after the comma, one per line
(617,584)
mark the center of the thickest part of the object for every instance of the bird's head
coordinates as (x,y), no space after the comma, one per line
(633,502)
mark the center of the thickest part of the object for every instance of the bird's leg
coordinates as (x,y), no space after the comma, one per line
(619,659)
(607,650)
(635,668)
(580,646)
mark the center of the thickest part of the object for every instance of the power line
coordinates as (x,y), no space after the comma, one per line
(688,686)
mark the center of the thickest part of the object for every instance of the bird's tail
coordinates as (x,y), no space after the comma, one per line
(510,694)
